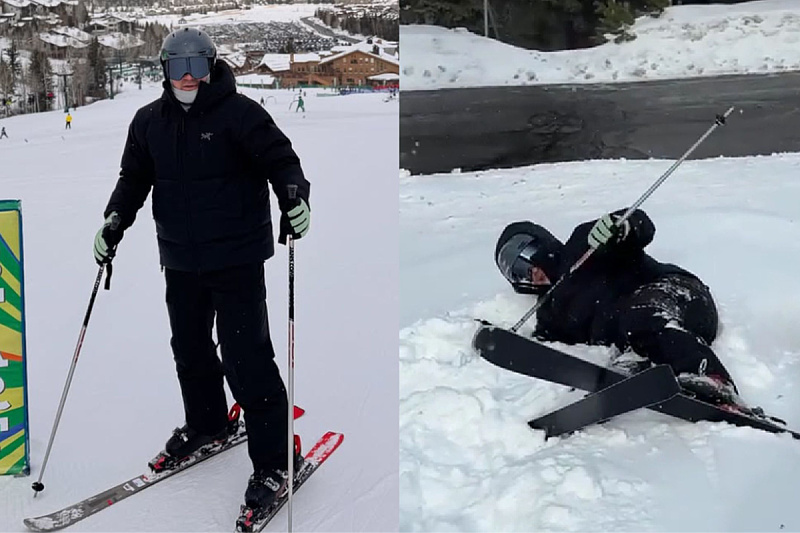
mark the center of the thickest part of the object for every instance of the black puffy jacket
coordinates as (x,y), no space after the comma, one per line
(209,169)
(585,307)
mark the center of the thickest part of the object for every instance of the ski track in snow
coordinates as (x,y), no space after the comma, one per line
(468,460)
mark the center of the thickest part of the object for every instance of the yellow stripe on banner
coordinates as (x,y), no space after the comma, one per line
(9,226)
(16,436)
(11,310)
(10,340)
(14,396)
(13,283)
(11,459)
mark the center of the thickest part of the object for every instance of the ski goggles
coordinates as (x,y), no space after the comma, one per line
(197,67)
(515,260)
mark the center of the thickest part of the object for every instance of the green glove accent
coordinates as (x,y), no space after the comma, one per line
(300,219)
(106,239)
(605,230)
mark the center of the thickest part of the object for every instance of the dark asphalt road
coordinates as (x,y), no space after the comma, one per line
(500,127)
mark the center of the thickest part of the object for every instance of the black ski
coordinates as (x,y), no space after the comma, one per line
(650,387)
(526,356)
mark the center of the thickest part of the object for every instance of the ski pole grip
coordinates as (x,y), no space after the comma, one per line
(116,220)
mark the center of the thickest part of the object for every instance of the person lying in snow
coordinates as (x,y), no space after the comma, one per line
(620,296)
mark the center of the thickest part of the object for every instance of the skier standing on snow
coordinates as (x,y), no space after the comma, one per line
(3,133)
(620,296)
(68,125)
(209,153)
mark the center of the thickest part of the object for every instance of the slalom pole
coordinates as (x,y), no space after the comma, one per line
(718,121)
(290,241)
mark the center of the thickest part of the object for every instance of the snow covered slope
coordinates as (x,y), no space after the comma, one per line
(685,41)
(468,461)
(125,400)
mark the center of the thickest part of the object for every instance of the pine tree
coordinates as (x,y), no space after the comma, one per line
(13,60)
(616,17)
(97,65)
(6,79)
(40,78)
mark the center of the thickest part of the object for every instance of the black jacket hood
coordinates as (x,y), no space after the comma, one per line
(549,248)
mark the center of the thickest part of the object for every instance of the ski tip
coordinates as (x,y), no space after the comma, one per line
(324,447)
(333,437)
(479,341)
(298,412)
(36,524)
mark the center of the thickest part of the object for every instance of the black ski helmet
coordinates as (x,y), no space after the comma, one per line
(187,50)
(523,245)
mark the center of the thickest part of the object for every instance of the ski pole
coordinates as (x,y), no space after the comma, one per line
(290,241)
(718,121)
(37,485)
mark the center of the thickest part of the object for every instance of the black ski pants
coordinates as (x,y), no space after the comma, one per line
(236,297)
(673,321)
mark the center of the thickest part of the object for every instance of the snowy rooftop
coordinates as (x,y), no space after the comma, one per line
(73,32)
(305,58)
(120,41)
(685,41)
(235,60)
(365,49)
(47,3)
(61,41)
(19,4)
(276,62)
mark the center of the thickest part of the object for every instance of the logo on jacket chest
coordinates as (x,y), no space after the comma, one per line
(206,136)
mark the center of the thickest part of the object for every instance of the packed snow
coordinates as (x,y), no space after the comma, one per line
(265,13)
(125,401)
(469,462)
(685,41)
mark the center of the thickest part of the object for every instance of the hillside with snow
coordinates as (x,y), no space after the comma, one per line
(468,460)
(685,41)
(125,401)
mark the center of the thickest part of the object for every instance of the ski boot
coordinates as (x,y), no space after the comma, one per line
(711,389)
(265,489)
(186,443)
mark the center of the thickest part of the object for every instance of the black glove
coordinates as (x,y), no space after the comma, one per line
(606,231)
(295,221)
(107,239)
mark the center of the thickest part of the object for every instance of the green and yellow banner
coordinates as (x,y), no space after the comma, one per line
(14,441)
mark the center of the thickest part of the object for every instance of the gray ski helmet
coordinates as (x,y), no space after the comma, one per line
(187,50)
(523,245)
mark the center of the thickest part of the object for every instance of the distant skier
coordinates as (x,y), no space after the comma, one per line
(68,125)
(3,133)
(620,296)
(262,101)
(300,104)
(211,208)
